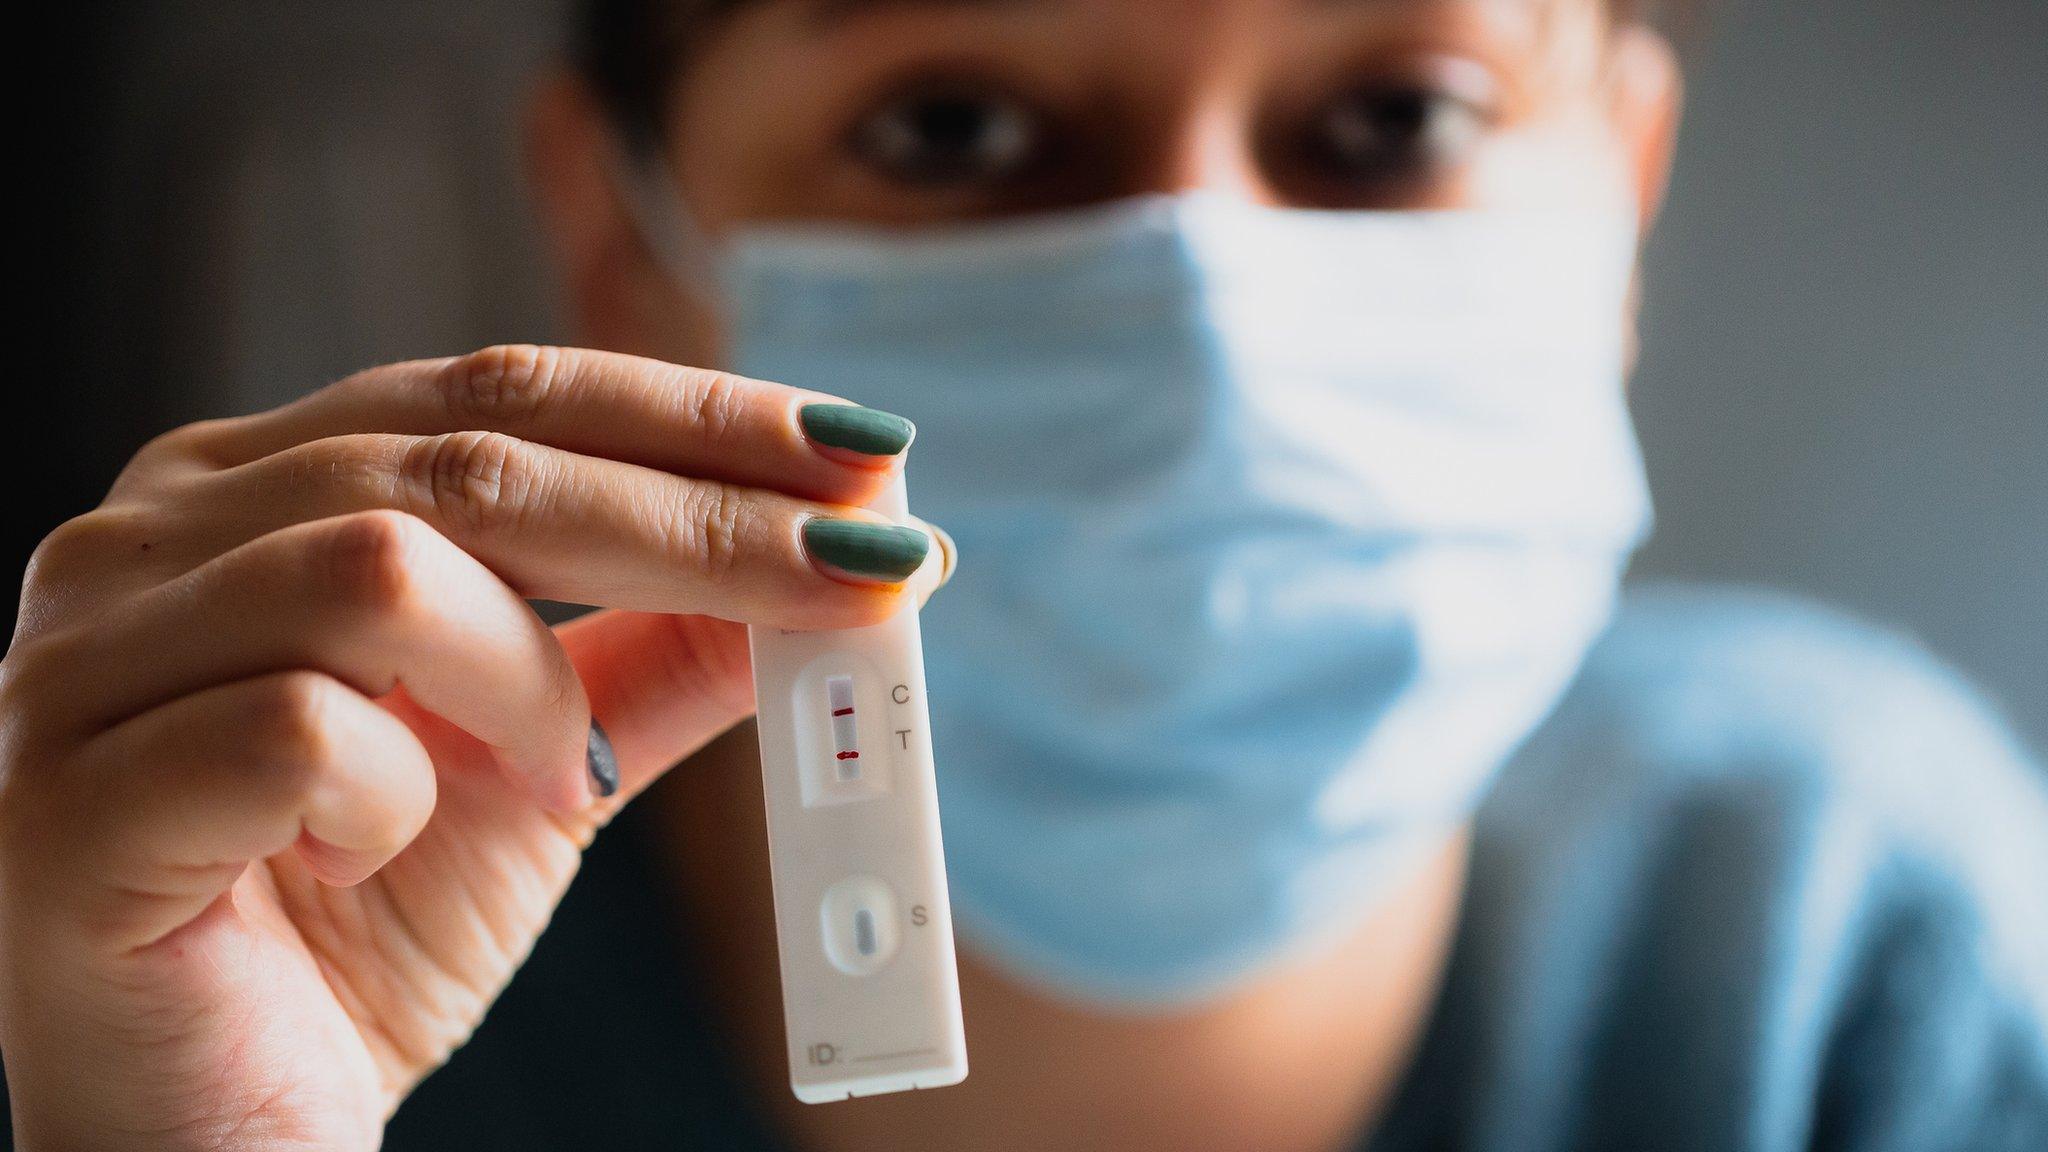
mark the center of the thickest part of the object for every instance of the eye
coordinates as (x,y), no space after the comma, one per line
(950,136)
(1382,134)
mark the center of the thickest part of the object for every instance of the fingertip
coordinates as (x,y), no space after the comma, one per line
(556,779)
(569,791)
(847,604)
(865,552)
(864,447)
(938,567)
(870,473)
(852,433)
(336,866)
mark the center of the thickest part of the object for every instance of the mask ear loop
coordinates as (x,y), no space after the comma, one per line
(650,193)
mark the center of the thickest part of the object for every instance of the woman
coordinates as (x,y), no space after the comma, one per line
(1305,787)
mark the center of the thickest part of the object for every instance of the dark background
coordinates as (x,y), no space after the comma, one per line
(1845,385)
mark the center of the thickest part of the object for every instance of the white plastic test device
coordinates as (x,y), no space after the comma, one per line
(870,993)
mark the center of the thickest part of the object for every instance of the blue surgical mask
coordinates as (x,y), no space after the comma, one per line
(1280,530)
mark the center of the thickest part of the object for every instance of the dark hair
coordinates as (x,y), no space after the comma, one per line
(629,50)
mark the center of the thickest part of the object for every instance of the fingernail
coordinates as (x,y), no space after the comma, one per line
(886,552)
(602,762)
(869,431)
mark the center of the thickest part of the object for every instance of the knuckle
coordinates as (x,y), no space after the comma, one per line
(292,721)
(31,663)
(716,402)
(186,443)
(481,481)
(45,709)
(82,543)
(715,520)
(67,545)
(501,385)
(173,444)
(371,559)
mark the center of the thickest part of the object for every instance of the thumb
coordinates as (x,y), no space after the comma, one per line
(662,686)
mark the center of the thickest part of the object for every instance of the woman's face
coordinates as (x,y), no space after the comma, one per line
(916,113)
(919,112)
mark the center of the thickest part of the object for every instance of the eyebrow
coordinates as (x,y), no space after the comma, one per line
(829,13)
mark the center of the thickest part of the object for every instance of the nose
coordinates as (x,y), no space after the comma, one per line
(1210,149)
(1206,147)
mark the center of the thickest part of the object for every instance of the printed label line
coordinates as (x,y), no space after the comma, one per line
(891,1055)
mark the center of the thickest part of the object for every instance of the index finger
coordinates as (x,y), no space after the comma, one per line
(687,421)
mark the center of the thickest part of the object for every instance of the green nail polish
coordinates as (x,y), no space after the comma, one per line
(875,551)
(869,431)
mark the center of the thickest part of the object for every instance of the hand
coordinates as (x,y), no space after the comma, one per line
(291,777)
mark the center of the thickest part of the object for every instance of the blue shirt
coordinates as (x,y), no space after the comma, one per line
(1768,880)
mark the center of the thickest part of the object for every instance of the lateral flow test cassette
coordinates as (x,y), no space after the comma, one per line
(870,991)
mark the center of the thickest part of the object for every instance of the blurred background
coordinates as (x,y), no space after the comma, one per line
(1845,384)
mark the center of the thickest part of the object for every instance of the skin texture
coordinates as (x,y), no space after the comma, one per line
(266,878)
(1160,97)
(291,779)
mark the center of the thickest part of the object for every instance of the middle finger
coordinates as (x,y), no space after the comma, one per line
(555,525)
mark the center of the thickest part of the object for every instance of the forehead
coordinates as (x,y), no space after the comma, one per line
(822,18)
(1532,20)
(777,49)
(1128,30)
(830,10)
